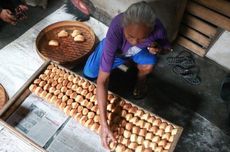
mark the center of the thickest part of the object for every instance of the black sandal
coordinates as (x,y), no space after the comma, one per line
(184,59)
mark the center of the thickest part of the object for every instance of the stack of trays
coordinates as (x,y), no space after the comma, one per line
(134,128)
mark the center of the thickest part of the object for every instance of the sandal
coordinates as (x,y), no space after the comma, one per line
(183,59)
(189,75)
(140,92)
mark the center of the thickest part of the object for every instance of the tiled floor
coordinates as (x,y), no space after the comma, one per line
(198,109)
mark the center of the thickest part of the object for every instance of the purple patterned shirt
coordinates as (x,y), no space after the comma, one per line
(115,40)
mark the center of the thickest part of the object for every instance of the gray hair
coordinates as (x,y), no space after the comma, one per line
(139,12)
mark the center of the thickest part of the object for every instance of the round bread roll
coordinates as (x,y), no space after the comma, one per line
(163,125)
(62,105)
(48,96)
(32,87)
(140,140)
(168,128)
(128,116)
(52,89)
(147,125)
(174,131)
(171,138)
(75,105)
(122,103)
(95,91)
(69,101)
(52,75)
(89,95)
(123,113)
(59,86)
(83,120)
(70,77)
(151,119)
(139,149)
(53,99)
(54,69)
(80,82)
(69,85)
(95,127)
(158,149)
(149,136)
(156,139)
(78,116)
(84,92)
(153,129)
(57,102)
(65,82)
(128,150)
(75,33)
(43,94)
(127,134)
(79,90)
(79,98)
(73,112)
(85,85)
(67,110)
(125,141)
(128,126)
(141,123)
(65,76)
(88,123)
(96,118)
(79,109)
(42,83)
(75,80)
(93,98)
(46,87)
(63,89)
(79,38)
(147,150)
(60,95)
(85,111)
(60,80)
(95,108)
(162,143)
(62,72)
(112,146)
(91,114)
(139,113)
(37,81)
(56,77)
(133,110)
(89,105)
(146,143)
(143,132)
(91,87)
(157,122)
(69,92)
(120,148)
(38,91)
(64,98)
(110,107)
(145,116)
(166,136)
(54,83)
(133,137)
(133,145)
(50,81)
(135,130)
(56,92)
(74,87)
(84,102)
(73,95)
(51,66)
(57,71)
(127,106)
(167,146)
(134,120)
(160,132)
(62,33)
(153,145)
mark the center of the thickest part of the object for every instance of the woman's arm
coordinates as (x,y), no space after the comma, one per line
(102,93)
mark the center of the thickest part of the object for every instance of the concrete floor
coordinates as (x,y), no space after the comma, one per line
(198,109)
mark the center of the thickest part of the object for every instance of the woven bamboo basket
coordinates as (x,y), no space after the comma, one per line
(68,53)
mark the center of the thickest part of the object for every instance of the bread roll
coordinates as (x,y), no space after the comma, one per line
(75,80)
(62,105)
(79,98)
(171,138)
(128,116)
(80,82)
(54,83)
(157,122)
(79,38)
(51,66)
(166,136)
(168,128)
(50,81)
(52,74)
(141,123)
(65,82)
(135,130)
(143,132)
(162,143)
(62,72)
(79,109)
(93,99)
(57,103)
(60,80)
(91,87)
(139,148)
(73,95)
(158,149)
(73,112)
(79,90)
(56,92)
(140,140)
(88,123)
(163,125)
(78,116)
(63,89)
(125,141)
(64,98)
(89,105)
(123,113)
(149,136)
(128,126)
(153,129)
(147,150)
(84,92)
(32,87)
(53,99)
(37,81)
(75,33)
(95,91)
(85,111)
(127,106)
(89,95)
(96,118)
(85,85)
(133,145)
(42,83)
(174,131)
(69,92)
(46,87)
(156,139)
(69,84)
(75,105)
(95,108)
(167,146)
(83,120)
(110,107)
(66,75)
(91,115)
(38,91)
(146,143)
(59,86)
(133,137)
(70,77)
(62,33)
(134,120)
(84,102)
(160,132)
(43,94)
(133,110)
(112,146)
(60,95)
(48,96)
(151,119)
(69,101)
(147,125)
(139,113)
(127,134)
(74,87)
(120,148)
(153,145)
(128,150)
(95,127)
(67,110)
(145,116)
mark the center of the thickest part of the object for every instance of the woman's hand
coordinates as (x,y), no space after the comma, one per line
(23,7)
(153,48)
(106,136)
(7,16)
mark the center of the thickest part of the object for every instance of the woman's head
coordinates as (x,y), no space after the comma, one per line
(138,22)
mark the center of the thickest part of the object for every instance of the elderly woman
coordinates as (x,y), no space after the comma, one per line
(135,34)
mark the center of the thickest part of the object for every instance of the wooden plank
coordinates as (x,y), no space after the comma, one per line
(191,46)
(221,6)
(195,36)
(209,15)
(18,98)
(199,25)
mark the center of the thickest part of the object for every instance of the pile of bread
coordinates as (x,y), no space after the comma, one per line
(76,35)
(135,129)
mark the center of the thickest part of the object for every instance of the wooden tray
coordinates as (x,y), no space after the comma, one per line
(24,92)
(69,52)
